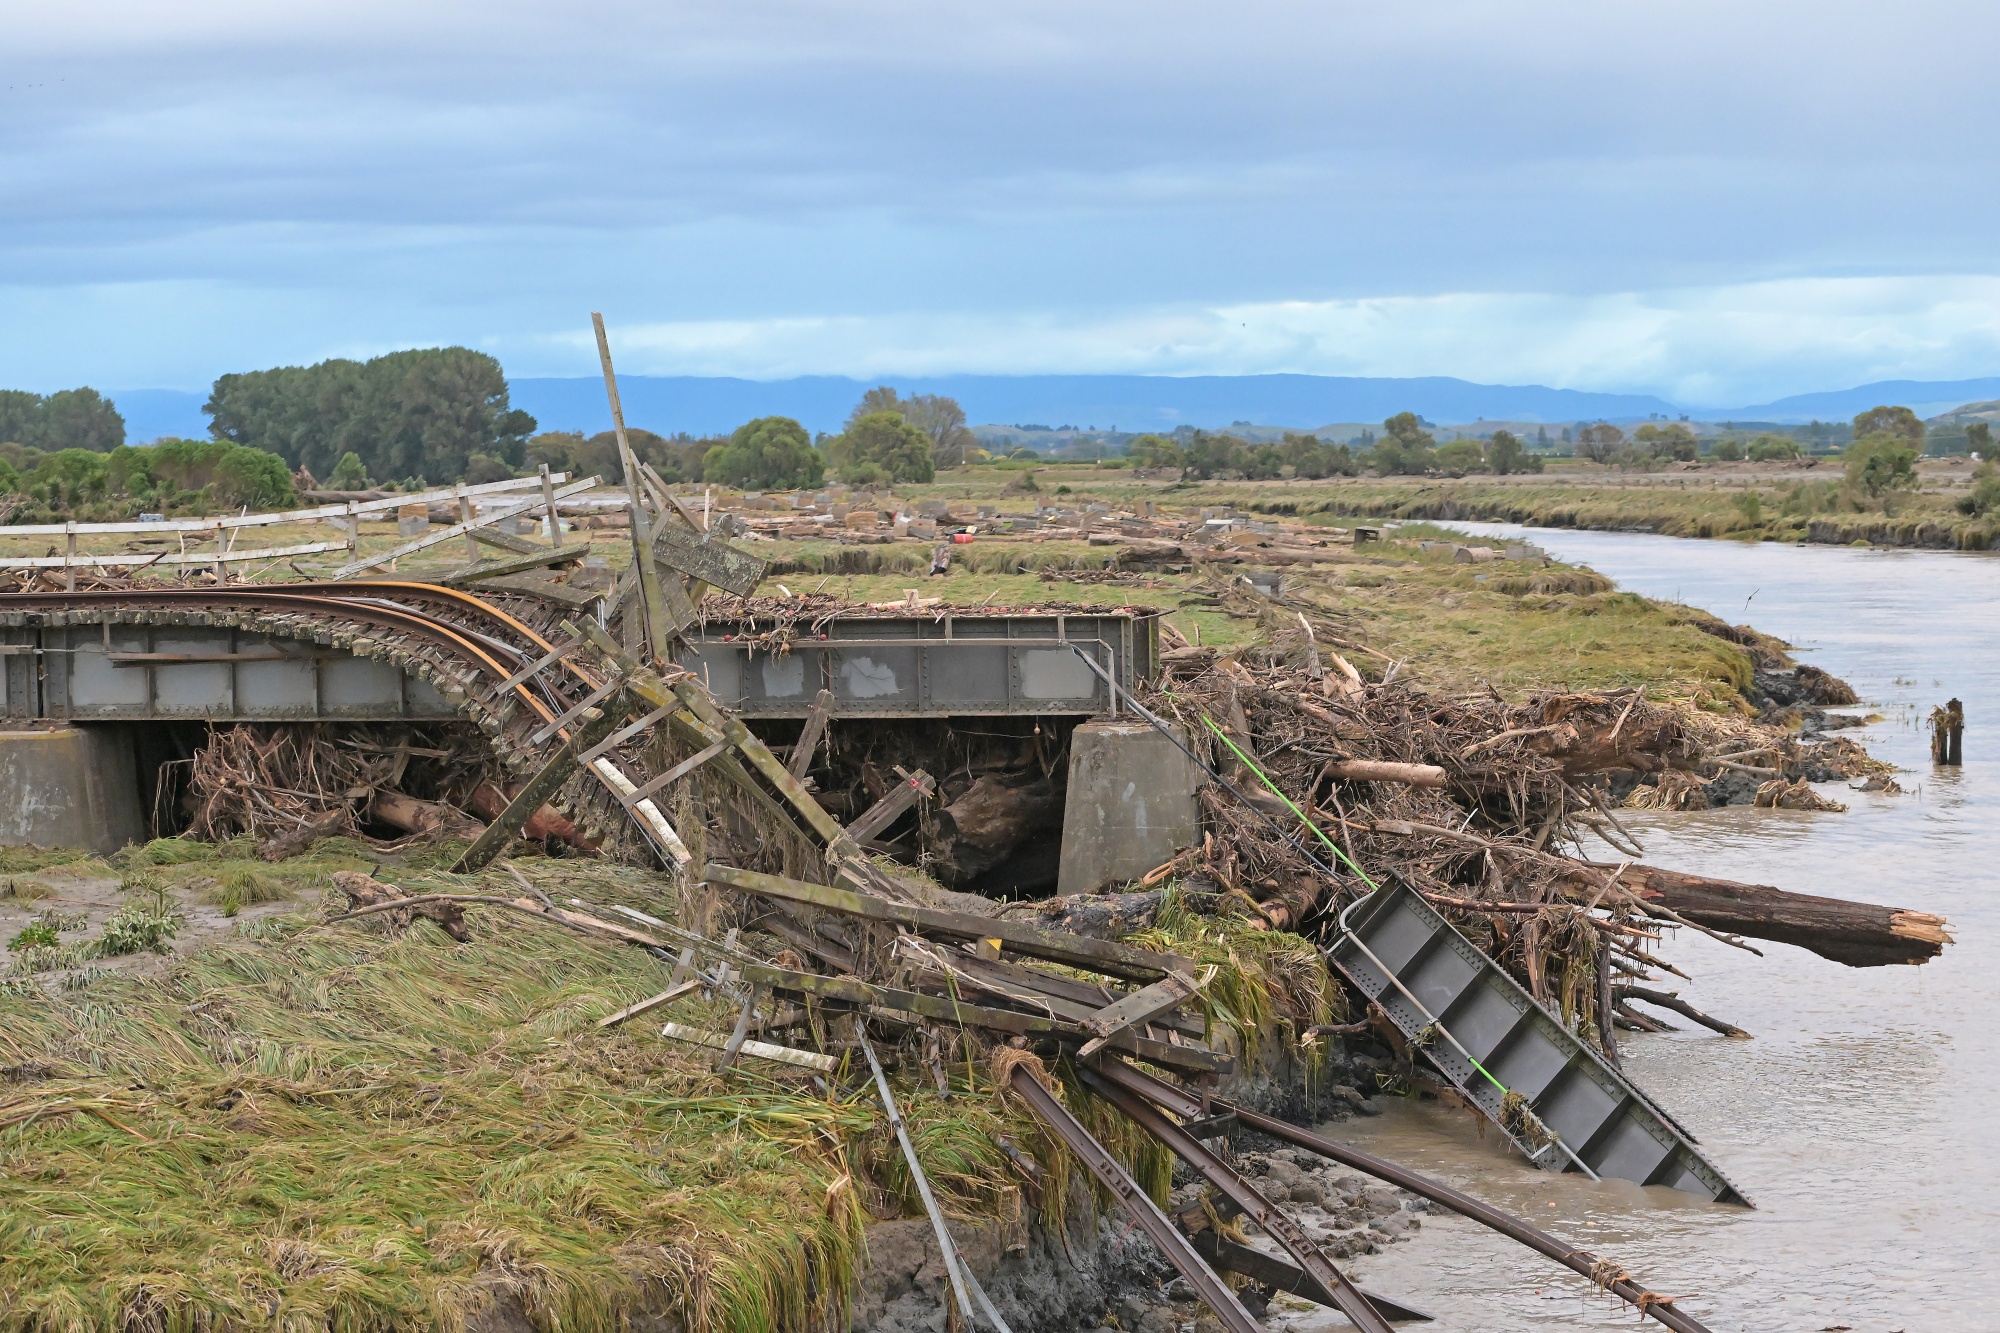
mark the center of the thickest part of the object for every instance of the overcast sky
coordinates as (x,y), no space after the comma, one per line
(1720,202)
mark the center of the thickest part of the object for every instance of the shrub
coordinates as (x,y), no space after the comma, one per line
(770,453)
(885,442)
(1880,463)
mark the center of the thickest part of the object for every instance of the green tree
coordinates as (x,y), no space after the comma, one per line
(1207,455)
(1600,442)
(72,419)
(1405,449)
(349,474)
(1671,441)
(1729,449)
(1979,439)
(481,468)
(204,474)
(1461,456)
(1155,451)
(943,421)
(1309,456)
(881,445)
(1899,422)
(80,419)
(1985,497)
(555,448)
(423,412)
(881,398)
(770,453)
(20,415)
(1773,448)
(1880,462)
(1505,453)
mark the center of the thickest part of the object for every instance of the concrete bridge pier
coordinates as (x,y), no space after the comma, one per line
(1130,804)
(71,786)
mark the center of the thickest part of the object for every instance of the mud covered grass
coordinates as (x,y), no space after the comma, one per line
(330,1127)
(310,1125)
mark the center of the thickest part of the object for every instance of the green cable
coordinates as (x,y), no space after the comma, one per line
(1347,860)
(1251,764)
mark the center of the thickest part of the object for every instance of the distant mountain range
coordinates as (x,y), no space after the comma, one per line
(711,405)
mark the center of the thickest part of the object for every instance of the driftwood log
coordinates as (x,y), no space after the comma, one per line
(1857,934)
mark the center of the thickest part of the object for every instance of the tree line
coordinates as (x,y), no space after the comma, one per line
(886,438)
(1405,448)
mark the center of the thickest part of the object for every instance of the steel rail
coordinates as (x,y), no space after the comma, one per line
(1347,1298)
(1605,1273)
(1214,1292)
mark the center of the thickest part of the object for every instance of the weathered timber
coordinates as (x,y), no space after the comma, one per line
(706,557)
(1082,996)
(1169,992)
(1386,770)
(943,1009)
(646,573)
(1857,934)
(1106,956)
(548,590)
(506,541)
(667,996)
(786,1055)
(543,785)
(538,558)
(801,757)
(899,798)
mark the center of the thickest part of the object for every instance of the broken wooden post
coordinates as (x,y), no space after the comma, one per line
(1149,1002)
(886,811)
(800,759)
(619,706)
(1954,712)
(553,519)
(642,542)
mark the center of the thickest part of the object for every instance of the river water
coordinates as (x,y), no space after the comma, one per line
(1864,1117)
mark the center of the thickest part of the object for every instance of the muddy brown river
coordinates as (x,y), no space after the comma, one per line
(1864,1117)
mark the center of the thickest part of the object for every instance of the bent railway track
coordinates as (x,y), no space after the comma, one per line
(466,647)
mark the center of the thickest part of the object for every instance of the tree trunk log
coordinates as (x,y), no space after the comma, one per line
(488,800)
(414,816)
(1857,934)
(1385,770)
(985,825)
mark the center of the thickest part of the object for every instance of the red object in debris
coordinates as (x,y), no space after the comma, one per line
(961,538)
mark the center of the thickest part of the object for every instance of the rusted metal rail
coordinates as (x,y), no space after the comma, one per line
(1207,1283)
(1277,1224)
(1604,1272)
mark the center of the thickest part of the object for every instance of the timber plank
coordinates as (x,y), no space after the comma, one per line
(1106,956)
(946,1010)
(705,557)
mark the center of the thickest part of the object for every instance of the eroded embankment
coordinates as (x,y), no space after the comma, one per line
(1673,514)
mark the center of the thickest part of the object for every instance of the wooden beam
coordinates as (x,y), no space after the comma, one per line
(801,757)
(1169,992)
(537,790)
(529,585)
(1106,956)
(654,610)
(535,558)
(890,808)
(709,559)
(667,996)
(943,1009)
